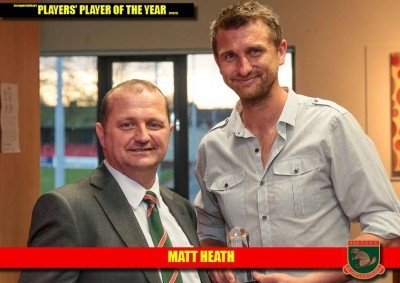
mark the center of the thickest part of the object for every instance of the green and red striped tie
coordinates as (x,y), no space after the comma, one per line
(159,235)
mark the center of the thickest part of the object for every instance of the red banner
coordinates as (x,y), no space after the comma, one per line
(17,258)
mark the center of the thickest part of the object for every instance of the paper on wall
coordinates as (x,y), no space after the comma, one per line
(9,118)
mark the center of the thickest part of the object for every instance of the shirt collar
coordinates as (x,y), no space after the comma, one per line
(288,116)
(133,191)
(289,111)
(235,125)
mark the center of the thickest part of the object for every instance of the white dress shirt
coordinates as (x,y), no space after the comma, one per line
(134,193)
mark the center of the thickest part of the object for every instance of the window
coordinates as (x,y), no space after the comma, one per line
(197,95)
(68,100)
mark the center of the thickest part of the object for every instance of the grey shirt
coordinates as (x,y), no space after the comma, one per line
(323,172)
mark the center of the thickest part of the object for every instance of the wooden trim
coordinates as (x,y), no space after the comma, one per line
(20,172)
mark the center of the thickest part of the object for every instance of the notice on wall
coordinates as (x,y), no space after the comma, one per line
(9,118)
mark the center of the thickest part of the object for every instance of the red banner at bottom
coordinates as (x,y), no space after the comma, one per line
(335,257)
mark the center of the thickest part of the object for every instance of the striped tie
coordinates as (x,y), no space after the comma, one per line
(159,235)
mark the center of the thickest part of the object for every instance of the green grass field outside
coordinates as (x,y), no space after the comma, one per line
(72,175)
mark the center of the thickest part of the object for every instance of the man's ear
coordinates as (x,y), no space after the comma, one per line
(282,52)
(100,133)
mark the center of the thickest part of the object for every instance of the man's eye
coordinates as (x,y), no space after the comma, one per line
(229,56)
(255,52)
(126,126)
(154,125)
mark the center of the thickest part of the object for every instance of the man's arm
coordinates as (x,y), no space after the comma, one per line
(360,180)
(53,225)
(210,222)
(395,242)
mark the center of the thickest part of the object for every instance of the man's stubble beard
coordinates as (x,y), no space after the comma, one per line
(261,94)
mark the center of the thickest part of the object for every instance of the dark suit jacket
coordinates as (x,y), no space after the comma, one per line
(95,213)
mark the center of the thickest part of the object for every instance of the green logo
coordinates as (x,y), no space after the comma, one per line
(363,259)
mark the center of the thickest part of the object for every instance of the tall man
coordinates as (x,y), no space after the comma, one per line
(107,209)
(292,170)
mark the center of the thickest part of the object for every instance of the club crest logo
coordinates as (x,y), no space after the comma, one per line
(363,259)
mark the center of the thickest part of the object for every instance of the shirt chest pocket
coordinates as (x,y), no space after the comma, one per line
(230,191)
(295,186)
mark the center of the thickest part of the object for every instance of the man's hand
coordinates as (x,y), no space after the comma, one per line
(221,276)
(218,275)
(313,277)
(275,278)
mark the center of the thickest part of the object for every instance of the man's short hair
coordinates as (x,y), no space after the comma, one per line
(134,85)
(239,14)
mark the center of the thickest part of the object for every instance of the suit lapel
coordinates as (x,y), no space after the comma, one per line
(115,205)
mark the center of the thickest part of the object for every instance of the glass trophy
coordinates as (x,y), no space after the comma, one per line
(238,237)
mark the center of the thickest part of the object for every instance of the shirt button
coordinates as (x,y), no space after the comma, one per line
(296,170)
(264,218)
(257,150)
(226,185)
(261,183)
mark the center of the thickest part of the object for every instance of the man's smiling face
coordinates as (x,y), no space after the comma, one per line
(136,134)
(249,60)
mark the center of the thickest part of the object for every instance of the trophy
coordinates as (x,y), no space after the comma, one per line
(238,237)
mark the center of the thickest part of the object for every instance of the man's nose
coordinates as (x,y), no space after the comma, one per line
(245,66)
(142,134)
